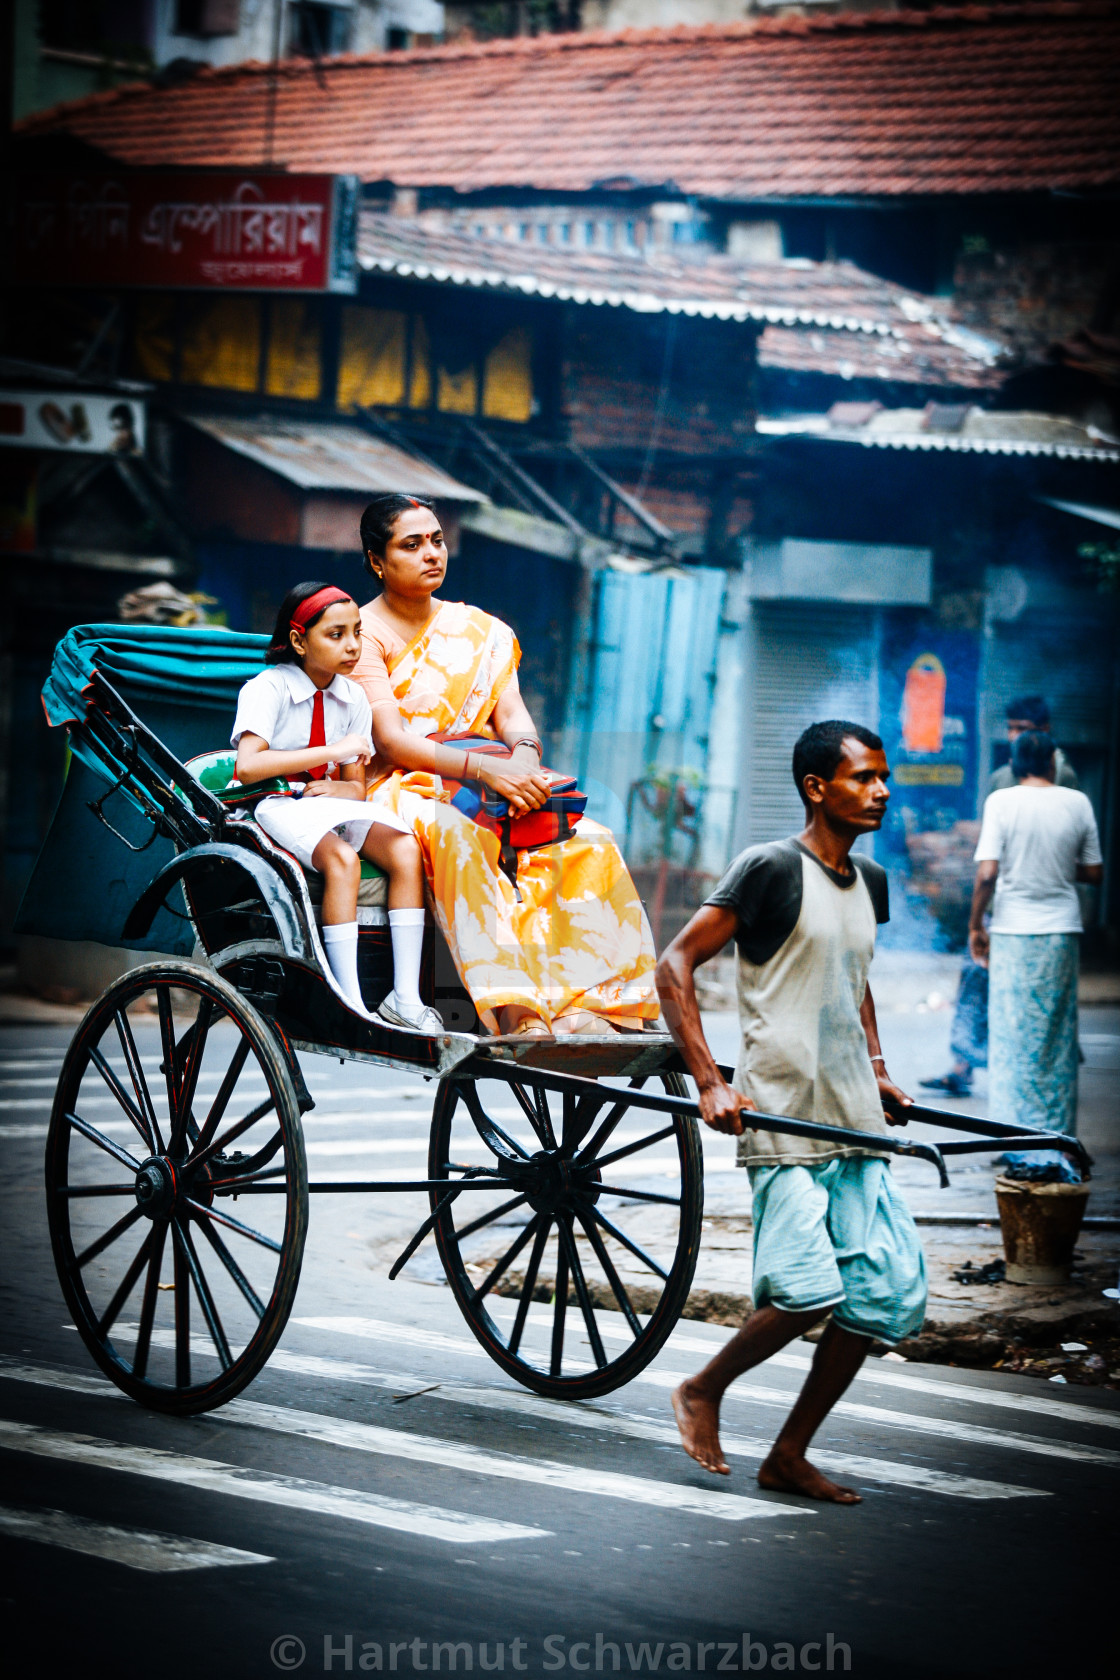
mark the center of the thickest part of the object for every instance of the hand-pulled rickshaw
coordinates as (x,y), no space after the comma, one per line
(176,1175)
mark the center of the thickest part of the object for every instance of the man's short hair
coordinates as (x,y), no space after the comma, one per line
(1029,708)
(821,747)
(1032,754)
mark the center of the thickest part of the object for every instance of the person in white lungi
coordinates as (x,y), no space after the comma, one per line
(303,720)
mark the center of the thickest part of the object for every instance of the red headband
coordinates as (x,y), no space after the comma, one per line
(316,603)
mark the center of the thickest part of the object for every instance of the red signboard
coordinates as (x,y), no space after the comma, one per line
(197,229)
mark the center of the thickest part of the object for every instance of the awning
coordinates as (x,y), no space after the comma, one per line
(316,455)
(948,427)
(268,478)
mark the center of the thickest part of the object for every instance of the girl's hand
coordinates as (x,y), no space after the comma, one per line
(525,790)
(356,747)
(329,789)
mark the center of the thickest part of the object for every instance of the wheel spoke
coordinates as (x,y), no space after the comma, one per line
(638,1195)
(541,1123)
(560,1311)
(102,1142)
(219,1145)
(618,1288)
(253,1163)
(232,1267)
(221,1101)
(582,1296)
(545,1130)
(103,1242)
(508,1257)
(182,1237)
(167,1039)
(607,1126)
(136,1074)
(234,1225)
(531,1271)
(633,1148)
(628,1242)
(125,1288)
(489,1131)
(182,1314)
(488,1218)
(187,1081)
(148,1307)
(126,1102)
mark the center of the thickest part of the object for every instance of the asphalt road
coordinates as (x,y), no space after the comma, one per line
(324,1524)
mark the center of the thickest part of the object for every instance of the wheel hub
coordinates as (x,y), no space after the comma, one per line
(156,1187)
(557,1181)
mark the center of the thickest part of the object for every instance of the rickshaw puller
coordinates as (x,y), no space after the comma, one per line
(832,1234)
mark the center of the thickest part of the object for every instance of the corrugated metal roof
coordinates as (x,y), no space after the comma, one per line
(795,292)
(925,353)
(970,430)
(330,456)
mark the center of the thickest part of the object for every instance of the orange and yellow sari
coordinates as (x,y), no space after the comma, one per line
(578,939)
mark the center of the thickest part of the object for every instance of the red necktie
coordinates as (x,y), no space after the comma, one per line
(318,737)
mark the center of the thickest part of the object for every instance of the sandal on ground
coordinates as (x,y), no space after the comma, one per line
(413,1017)
(953,1083)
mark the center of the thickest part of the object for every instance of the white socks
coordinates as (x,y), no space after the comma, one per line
(406,928)
(341,945)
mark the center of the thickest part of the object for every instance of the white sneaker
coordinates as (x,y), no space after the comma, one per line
(416,1017)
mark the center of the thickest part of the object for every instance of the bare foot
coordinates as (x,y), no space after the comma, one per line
(698,1422)
(515,1019)
(788,1473)
(583,1021)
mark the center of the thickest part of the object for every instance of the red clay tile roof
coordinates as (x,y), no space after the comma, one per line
(878,324)
(967,100)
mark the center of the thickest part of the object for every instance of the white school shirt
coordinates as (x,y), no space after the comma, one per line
(1038,836)
(277,705)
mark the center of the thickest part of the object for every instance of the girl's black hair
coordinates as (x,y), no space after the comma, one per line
(280,650)
(380,517)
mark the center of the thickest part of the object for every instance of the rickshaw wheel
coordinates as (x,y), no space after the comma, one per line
(566,1322)
(175,1100)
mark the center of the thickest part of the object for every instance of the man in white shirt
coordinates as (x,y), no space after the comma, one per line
(1037,840)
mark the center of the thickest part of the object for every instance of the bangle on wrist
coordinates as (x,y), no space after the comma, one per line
(529,741)
(882,1059)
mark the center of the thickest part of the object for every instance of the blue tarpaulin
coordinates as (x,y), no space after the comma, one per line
(183,684)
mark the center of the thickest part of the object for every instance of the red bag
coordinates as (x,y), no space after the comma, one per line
(554,821)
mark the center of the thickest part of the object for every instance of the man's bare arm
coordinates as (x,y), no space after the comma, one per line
(704,937)
(983,888)
(1091,874)
(893,1097)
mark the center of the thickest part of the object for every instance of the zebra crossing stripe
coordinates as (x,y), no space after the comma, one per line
(915,1422)
(454,1455)
(136,1548)
(291,1493)
(583,1414)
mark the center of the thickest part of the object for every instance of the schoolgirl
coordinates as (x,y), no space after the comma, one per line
(305,721)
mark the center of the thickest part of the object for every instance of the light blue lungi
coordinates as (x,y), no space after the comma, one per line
(839,1235)
(1032,1015)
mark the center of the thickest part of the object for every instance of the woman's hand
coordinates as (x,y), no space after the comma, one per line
(525,790)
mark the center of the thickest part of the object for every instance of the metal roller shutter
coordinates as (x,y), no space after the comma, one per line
(808,662)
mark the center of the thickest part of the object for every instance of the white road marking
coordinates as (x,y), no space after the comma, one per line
(448,1455)
(136,1548)
(873,1371)
(920,1423)
(291,1493)
(603,1416)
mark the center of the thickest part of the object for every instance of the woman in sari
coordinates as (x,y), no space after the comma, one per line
(570,950)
